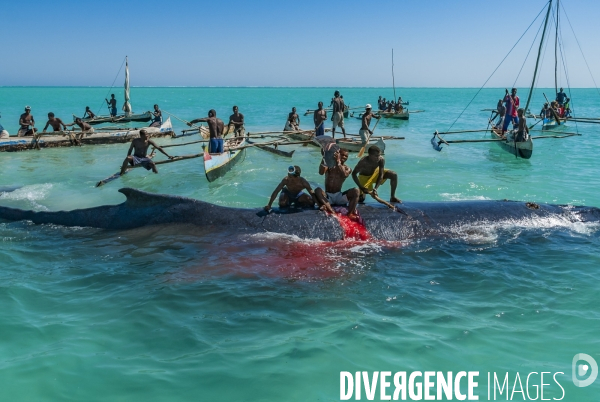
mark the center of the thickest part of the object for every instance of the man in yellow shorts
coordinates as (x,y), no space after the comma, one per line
(370,173)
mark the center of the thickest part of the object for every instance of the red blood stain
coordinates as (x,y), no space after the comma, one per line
(354,230)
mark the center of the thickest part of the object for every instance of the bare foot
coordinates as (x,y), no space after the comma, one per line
(396,200)
(353,217)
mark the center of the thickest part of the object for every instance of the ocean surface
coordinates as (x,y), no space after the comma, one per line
(187,313)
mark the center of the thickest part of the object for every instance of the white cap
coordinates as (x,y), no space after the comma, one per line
(27,108)
(368,106)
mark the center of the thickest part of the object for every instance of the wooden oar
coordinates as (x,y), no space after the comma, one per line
(175,159)
(387,204)
(362,150)
(183,121)
(185,143)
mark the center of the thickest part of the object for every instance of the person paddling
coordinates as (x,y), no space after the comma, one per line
(25,121)
(364,131)
(216,127)
(140,156)
(112,105)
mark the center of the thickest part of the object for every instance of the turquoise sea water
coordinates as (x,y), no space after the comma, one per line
(184,313)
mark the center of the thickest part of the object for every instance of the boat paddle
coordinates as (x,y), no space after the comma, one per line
(362,150)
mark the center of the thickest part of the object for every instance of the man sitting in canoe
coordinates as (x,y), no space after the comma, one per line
(523,130)
(3,132)
(140,156)
(55,122)
(337,115)
(292,191)
(370,173)
(25,121)
(216,127)
(237,121)
(156,117)
(319,118)
(364,131)
(334,180)
(85,127)
(88,114)
(293,121)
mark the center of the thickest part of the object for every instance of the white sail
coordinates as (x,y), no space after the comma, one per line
(127,104)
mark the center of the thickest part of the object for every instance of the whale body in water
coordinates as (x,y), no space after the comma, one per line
(410,219)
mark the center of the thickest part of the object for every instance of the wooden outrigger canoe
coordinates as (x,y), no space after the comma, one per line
(125,118)
(521,149)
(356,145)
(217,165)
(70,138)
(272,150)
(403,115)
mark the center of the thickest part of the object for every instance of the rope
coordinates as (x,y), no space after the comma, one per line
(577,40)
(526,57)
(111,87)
(496,69)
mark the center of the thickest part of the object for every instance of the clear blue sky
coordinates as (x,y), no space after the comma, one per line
(449,43)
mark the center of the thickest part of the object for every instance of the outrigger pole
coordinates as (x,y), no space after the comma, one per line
(538,57)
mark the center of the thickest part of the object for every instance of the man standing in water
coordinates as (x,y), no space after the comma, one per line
(292,191)
(364,131)
(237,121)
(112,104)
(319,119)
(370,173)
(216,128)
(140,156)
(54,122)
(512,104)
(25,121)
(293,121)
(338,114)
(334,180)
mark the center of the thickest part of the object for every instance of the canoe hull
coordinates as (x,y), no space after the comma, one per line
(521,149)
(219,164)
(356,146)
(14,143)
(142,117)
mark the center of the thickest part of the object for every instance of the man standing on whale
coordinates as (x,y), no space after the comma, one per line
(216,128)
(370,173)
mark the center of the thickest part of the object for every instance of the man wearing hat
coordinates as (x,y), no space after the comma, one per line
(25,121)
(364,131)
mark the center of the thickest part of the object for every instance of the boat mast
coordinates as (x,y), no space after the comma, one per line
(393,80)
(537,63)
(556,50)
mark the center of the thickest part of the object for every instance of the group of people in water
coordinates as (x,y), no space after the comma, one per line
(508,111)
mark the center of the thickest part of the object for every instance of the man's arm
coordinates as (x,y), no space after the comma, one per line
(62,124)
(355,178)
(315,117)
(46,126)
(275,193)
(322,167)
(380,176)
(202,120)
(130,148)
(159,148)
(310,190)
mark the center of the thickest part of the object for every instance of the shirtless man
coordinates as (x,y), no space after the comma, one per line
(112,104)
(156,117)
(293,121)
(141,146)
(54,122)
(338,114)
(364,131)
(292,191)
(216,127)
(523,130)
(237,120)
(319,119)
(370,173)
(85,127)
(334,180)
(88,114)
(25,121)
